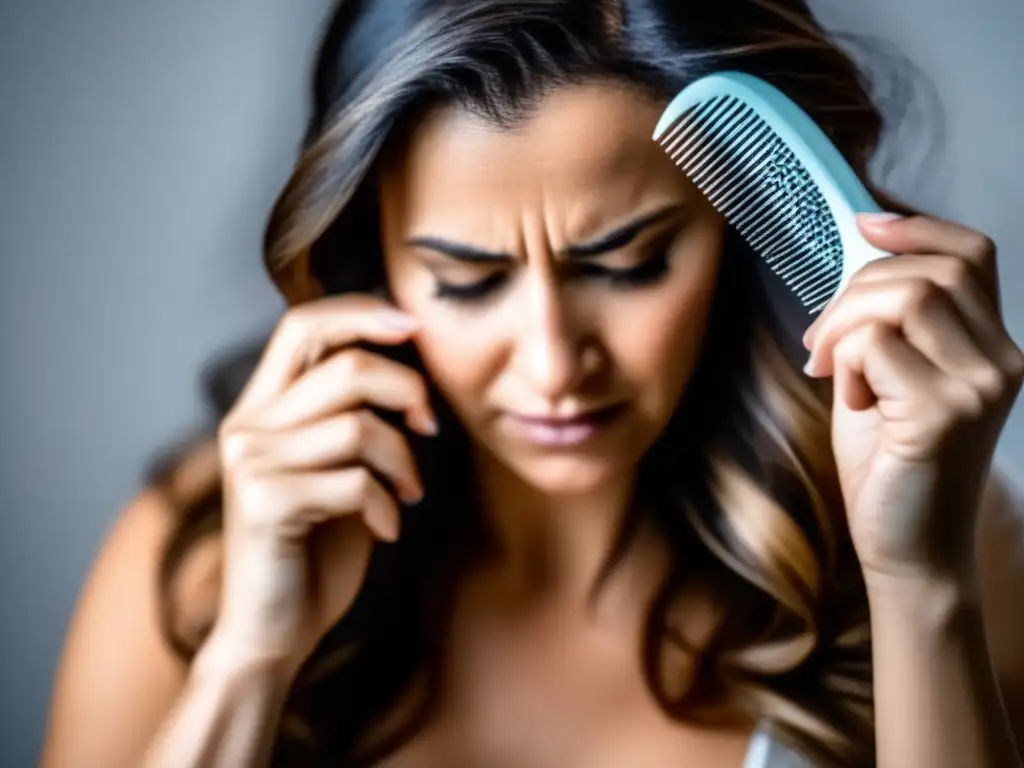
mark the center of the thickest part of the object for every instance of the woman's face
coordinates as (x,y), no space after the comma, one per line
(562,272)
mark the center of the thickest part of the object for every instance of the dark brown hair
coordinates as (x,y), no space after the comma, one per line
(743,487)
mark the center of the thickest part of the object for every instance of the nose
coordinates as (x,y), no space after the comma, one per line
(551,354)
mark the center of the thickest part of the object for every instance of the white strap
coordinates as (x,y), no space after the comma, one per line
(759,751)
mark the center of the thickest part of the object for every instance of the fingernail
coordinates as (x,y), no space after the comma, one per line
(398,320)
(422,422)
(412,495)
(430,425)
(879,218)
(810,367)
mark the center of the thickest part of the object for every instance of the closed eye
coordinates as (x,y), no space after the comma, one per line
(649,272)
(467,292)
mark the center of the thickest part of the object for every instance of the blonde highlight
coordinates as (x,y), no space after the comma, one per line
(791,641)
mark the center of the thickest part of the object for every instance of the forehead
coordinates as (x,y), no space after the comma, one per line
(584,151)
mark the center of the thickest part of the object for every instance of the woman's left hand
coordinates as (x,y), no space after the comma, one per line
(924,376)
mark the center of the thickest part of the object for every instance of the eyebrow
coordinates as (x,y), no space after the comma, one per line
(612,241)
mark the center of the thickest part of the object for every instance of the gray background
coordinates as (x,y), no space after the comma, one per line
(142,144)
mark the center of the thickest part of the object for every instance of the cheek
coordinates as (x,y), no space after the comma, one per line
(458,354)
(657,344)
(458,362)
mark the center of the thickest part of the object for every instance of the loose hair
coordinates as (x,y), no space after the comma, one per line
(741,484)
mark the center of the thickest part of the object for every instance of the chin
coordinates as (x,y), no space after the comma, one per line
(570,475)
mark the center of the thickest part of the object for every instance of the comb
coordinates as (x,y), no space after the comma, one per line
(775,176)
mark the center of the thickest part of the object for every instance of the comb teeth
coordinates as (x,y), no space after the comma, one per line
(753,179)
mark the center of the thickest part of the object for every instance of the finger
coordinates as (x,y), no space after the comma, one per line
(290,503)
(919,405)
(927,318)
(848,371)
(957,276)
(928,234)
(348,437)
(349,379)
(310,330)
(874,363)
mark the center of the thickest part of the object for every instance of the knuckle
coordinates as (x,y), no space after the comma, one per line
(1015,365)
(925,296)
(295,332)
(388,438)
(984,249)
(968,401)
(294,324)
(959,271)
(991,384)
(846,349)
(878,334)
(362,484)
(355,427)
(352,363)
(234,447)
(233,421)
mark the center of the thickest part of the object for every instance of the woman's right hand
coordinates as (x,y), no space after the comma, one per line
(303,457)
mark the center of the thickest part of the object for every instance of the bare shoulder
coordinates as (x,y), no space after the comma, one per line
(1001,561)
(118,677)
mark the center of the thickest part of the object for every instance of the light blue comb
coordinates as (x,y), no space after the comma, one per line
(775,176)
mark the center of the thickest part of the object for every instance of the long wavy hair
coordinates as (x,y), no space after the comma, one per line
(741,484)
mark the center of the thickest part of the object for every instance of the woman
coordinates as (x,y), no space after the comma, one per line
(528,474)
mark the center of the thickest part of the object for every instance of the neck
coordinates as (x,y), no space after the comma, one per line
(555,545)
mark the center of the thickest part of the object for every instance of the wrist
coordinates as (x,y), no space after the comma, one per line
(223,657)
(932,603)
(955,578)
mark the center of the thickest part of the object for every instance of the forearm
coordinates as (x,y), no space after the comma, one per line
(937,701)
(226,716)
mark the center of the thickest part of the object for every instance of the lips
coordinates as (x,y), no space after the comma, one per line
(563,431)
(553,422)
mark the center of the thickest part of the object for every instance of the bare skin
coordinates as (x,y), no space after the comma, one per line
(534,677)
(550,339)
